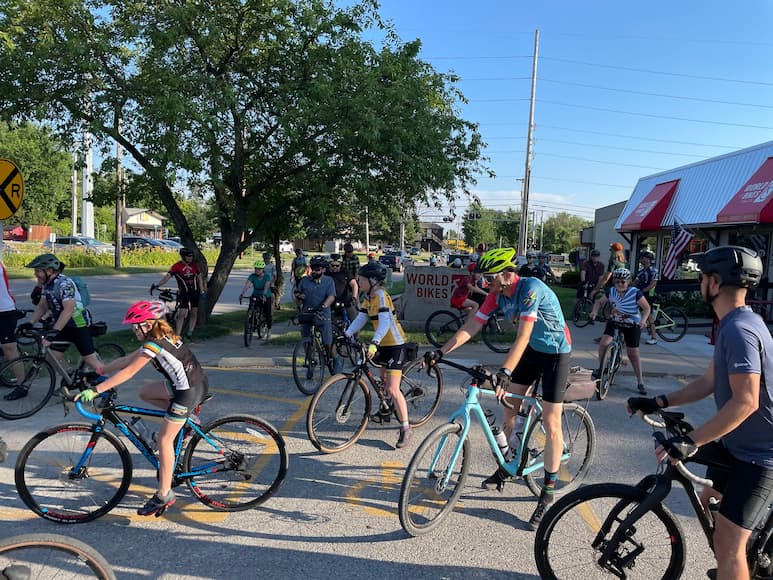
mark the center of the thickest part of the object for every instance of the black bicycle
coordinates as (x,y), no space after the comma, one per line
(611,361)
(627,531)
(498,333)
(583,307)
(51,556)
(255,322)
(171,299)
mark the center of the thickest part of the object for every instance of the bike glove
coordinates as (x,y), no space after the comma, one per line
(88,395)
(680,447)
(51,335)
(372,350)
(433,356)
(501,379)
(646,405)
(24,327)
(153,287)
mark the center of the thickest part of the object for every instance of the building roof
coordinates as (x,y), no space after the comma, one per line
(705,187)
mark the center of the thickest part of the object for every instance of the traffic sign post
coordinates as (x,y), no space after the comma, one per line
(11,189)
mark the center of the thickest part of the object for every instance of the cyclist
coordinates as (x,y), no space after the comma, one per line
(183,387)
(616,260)
(626,302)
(261,292)
(646,280)
(191,286)
(298,267)
(743,425)
(350,263)
(347,290)
(479,251)
(467,295)
(590,274)
(530,269)
(387,346)
(71,320)
(270,269)
(546,272)
(541,350)
(315,294)
(9,315)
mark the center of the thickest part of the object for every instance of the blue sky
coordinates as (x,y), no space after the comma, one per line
(624,89)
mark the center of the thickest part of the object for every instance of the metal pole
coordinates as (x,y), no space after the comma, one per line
(527,170)
(74,201)
(367,232)
(118,205)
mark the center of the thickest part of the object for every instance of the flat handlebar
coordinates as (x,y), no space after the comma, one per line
(669,421)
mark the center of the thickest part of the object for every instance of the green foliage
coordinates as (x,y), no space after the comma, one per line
(561,232)
(570,278)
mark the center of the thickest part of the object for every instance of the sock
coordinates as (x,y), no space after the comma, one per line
(548,486)
(405,425)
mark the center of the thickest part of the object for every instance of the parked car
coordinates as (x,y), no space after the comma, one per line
(80,243)
(175,245)
(414,251)
(144,243)
(286,247)
(392,261)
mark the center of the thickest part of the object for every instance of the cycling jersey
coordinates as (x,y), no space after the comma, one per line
(259,284)
(593,272)
(625,307)
(533,301)
(530,271)
(186,274)
(177,363)
(644,278)
(379,309)
(61,289)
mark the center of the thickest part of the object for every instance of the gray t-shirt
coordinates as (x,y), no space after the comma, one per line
(744,346)
(316,292)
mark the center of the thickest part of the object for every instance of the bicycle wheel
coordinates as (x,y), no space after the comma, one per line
(607,371)
(26,385)
(440,326)
(570,540)
(308,365)
(51,556)
(582,309)
(671,324)
(579,436)
(499,333)
(421,391)
(338,413)
(261,325)
(248,327)
(51,485)
(431,487)
(108,352)
(240,462)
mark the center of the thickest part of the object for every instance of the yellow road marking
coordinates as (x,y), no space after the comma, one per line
(390,475)
(304,403)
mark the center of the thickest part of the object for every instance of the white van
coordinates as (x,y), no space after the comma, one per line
(286,247)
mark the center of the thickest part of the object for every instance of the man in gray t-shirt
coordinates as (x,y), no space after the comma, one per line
(315,294)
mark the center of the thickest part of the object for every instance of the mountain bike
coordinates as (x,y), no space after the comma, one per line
(171,299)
(670,322)
(583,307)
(436,475)
(498,333)
(36,373)
(340,410)
(611,361)
(51,556)
(627,531)
(76,472)
(255,323)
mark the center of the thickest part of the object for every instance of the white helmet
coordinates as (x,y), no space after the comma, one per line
(458,263)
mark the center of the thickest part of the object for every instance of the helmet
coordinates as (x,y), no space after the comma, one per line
(481,248)
(621,274)
(596,253)
(616,247)
(373,271)
(647,254)
(348,247)
(735,265)
(471,267)
(335,257)
(143,311)
(531,254)
(259,264)
(495,261)
(371,255)
(543,255)
(318,262)
(457,263)
(185,252)
(300,272)
(45,261)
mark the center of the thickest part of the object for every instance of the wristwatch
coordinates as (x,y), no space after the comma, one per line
(506,372)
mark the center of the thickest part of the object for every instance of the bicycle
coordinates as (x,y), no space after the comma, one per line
(583,307)
(339,412)
(611,361)
(51,556)
(670,322)
(435,477)
(38,371)
(171,299)
(78,472)
(627,531)
(498,333)
(256,320)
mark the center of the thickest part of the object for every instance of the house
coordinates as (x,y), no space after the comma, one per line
(143,222)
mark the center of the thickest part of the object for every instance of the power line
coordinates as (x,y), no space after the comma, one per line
(599,161)
(729,147)
(617,148)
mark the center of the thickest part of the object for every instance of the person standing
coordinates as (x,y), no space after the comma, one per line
(350,263)
(646,279)
(530,268)
(9,316)
(271,270)
(191,286)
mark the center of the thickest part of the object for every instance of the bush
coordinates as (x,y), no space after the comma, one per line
(570,278)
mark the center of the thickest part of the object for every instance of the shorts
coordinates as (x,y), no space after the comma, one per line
(188,298)
(458,301)
(631,333)
(746,488)
(392,357)
(552,368)
(325,330)
(8,320)
(80,337)
(184,402)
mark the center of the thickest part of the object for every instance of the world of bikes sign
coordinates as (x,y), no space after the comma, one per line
(426,289)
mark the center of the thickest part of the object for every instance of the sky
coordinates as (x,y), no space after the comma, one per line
(624,89)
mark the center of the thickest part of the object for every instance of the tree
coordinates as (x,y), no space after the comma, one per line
(561,232)
(280,109)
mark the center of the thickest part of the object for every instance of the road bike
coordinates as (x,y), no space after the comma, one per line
(670,322)
(340,411)
(498,333)
(611,360)
(51,556)
(171,299)
(436,475)
(627,531)
(255,323)
(583,307)
(77,472)
(35,373)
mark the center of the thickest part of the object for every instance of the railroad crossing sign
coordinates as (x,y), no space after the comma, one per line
(11,189)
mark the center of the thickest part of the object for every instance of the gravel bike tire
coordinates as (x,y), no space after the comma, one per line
(51,556)
(338,413)
(39,380)
(567,544)
(248,328)
(422,389)
(579,434)
(582,309)
(424,502)
(261,325)
(46,485)
(498,333)
(109,351)
(440,326)
(245,461)
(680,323)
(607,375)
(308,365)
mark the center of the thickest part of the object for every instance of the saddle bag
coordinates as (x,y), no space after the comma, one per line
(580,385)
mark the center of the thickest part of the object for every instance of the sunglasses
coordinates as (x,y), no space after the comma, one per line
(317,269)
(490,277)
(335,265)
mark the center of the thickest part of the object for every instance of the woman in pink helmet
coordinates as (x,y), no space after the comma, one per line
(183,387)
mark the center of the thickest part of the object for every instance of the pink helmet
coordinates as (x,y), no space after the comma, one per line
(144,310)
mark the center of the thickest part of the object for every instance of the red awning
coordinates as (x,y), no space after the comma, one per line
(648,215)
(752,203)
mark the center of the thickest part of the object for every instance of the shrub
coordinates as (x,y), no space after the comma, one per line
(570,278)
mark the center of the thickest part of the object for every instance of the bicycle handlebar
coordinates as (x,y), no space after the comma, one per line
(165,294)
(485,379)
(672,422)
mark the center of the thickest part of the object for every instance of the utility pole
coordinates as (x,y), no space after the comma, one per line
(367,232)
(118,203)
(74,201)
(527,170)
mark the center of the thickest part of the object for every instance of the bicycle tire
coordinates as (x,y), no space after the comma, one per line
(607,375)
(568,544)
(424,501)
(676,329)
(248,328)
(499,333)
(248,455)
(422,389)
(261,325)
(39,381)
(109,351)
(338,413)
(579,435)
(440,326)
(53,556)
(582,310)
(308,365)
(46,485)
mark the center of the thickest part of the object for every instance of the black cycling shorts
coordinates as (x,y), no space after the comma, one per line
(188,298)
(8,320)
(631,333)
(552,368)
(80,337)
(392,357)
(183,402)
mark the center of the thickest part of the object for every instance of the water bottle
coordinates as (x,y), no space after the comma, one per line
(145,433)
(501,439)
(515,437)
(491,417)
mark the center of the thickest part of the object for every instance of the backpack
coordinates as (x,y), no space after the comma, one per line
(83,290)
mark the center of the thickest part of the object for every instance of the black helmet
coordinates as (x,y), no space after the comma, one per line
(185,252)
(596,253)
(735,265)
(318,262)
(348,247)
(648,254)
(373,271)
(45,261)
(335,257)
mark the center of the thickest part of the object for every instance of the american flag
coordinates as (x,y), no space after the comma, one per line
(680,238)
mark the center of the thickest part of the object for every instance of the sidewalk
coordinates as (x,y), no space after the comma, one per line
(686,358)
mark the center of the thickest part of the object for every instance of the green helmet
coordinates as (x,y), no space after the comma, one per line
(495,261)
(259,264)
(45,261)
